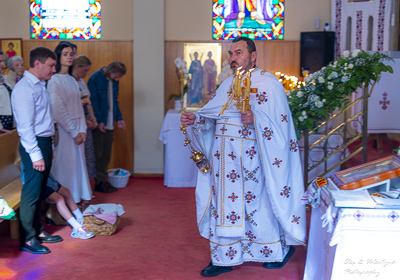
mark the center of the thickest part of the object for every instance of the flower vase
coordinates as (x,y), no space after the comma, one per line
(177,105)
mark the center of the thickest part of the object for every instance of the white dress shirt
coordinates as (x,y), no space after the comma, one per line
(32,112)
(110,117)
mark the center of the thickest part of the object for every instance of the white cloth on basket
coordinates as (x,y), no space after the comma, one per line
(106,211)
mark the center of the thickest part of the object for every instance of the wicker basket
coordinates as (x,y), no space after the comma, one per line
(100,227)
(118,181)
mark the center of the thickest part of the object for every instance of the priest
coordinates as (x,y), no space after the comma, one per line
(248,205)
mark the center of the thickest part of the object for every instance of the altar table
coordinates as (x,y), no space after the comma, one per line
(179,169)
(364,244)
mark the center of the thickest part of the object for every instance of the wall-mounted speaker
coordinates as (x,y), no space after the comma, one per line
(317,49)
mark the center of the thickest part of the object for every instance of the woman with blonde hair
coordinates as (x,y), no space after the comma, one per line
(80,68)
(69,212)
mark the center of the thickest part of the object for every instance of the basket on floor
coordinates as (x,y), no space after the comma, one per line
(100,227)
(118,181)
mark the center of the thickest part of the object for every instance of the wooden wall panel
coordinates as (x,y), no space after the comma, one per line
(102,53)
(273,56)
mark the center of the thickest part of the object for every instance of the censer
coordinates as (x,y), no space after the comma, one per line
(198,157)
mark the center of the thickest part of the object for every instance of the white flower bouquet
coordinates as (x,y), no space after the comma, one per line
(182,73)
(226,72)
(328,89)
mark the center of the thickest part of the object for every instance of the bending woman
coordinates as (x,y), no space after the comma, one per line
(69,164)
(61,197)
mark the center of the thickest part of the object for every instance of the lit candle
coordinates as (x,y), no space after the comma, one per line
(248,84)
(240,84)
(236,84)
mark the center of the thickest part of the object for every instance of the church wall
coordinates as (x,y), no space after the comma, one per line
(148,87)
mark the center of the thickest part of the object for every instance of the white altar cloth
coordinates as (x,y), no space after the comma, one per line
(368,244)
(384,103)
(365,244)
(179,169)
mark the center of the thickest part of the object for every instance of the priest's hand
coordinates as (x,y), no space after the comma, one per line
(187,118)
(247,117)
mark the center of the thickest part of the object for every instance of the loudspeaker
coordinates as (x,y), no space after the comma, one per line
(317,49)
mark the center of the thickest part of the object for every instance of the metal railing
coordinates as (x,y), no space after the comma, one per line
(343,130)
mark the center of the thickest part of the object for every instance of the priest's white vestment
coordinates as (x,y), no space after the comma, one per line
(248,206)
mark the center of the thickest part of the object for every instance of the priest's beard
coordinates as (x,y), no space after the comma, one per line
(246,66)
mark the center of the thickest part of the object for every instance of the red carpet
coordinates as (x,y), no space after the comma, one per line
(372,152)
(157,239)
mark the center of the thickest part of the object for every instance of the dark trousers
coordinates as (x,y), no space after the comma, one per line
(33,188)
(102,143)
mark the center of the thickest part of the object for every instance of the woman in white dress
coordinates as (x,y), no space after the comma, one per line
(69,164)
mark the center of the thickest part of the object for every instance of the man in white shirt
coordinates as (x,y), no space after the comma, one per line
(31,107)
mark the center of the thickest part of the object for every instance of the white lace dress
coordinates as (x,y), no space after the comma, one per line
(69,164)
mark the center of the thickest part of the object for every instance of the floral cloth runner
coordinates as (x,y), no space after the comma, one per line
(6,212)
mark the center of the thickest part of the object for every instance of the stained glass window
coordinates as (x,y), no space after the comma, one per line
(65,19)
(256,19)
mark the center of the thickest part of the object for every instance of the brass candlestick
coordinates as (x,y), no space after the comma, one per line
(242,94)
(237,88)
(246,94)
